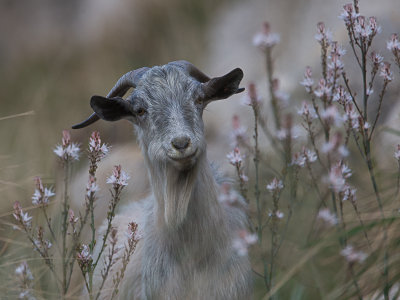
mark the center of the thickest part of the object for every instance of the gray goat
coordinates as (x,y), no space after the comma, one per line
(186,251)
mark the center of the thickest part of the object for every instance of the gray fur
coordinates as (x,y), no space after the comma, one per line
(186,251)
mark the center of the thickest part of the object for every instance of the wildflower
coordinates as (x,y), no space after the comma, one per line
(348,14)
(353,256)
(96,148)
(338,175)
(386,73)
(325,215)
(275,185)
(91,186)
(67,150)
(71,217)
(352,116)
(25,280)
(266,39)
(23,218)
(280,95)
(397,153)
(41,195)
(298,159)
(238,135)
(243,177)
(309,155)
(323,89)
(324,36)
(84,258)
(227,195)
(307,111)
(242,242)
(118,178)
(341,96)
(235,158)
(133,232)
(332,116)
(251,98)
(334,144)
(307,82)
(278,214)
(376,58)
(349,193)
(393,44)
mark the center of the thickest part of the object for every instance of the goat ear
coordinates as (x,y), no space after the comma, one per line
(111,109)
(223,87)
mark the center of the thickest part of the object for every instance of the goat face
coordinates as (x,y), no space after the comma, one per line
(166,109)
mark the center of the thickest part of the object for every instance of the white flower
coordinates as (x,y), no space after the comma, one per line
(242,242)
(275,185)
(332,115)
(234,157)
(349,194)
(385,72)
(298,159)
(310,155)
(118,177)
(228,195)
(393,44)
(277,214)
(307,111)
(397,153)
(353,256)
(70,151)
(325,215)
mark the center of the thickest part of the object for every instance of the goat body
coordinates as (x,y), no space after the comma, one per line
(186,250)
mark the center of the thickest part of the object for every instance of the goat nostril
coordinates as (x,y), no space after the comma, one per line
(180,143)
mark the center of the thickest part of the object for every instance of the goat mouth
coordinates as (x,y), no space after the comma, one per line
(183,159)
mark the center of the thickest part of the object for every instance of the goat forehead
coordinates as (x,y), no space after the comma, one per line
(167,85)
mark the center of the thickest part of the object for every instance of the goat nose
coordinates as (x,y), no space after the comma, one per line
(180,142)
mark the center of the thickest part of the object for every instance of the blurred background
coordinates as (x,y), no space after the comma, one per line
(55,54)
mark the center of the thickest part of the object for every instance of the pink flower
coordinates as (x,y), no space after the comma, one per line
(307,111)
(235,158)
(353,256)
(307,82)
(242,242)
(251,98)
(23,218)
(348,14)
(324,36)
(278,214)
(376,58)
(41,195)
(133,232)
(96,147)
(275,185)
(72,218)
(332,116)
(325,215)
(341,96)
(91,186)
(323,89)
(118,178)
(298,159)
(338,175)
(227,195)
(349,193)
(266,39)
(393,44)
(238,134)
(67,150)
(83,257)
(397,153)
(386,73)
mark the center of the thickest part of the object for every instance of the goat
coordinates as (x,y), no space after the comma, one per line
(186,251)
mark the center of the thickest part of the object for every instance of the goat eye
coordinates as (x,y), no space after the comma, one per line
(198,101)
(140,111)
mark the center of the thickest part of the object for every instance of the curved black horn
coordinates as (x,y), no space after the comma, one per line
(123,84)
(191,70)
